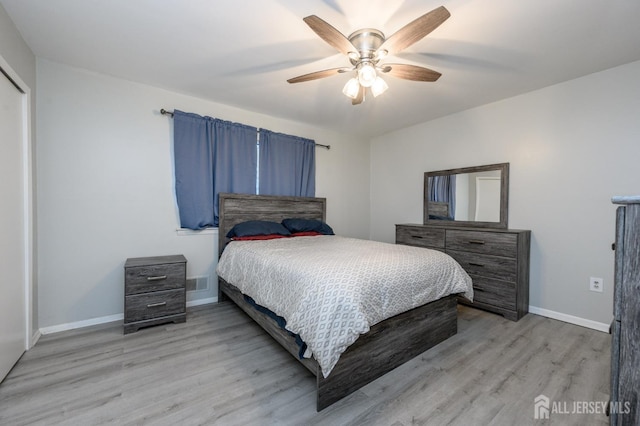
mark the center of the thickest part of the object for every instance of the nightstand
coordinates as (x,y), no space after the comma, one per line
(155,291)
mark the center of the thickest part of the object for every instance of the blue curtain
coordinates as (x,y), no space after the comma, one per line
(443,189)
(211,156)
(287,165)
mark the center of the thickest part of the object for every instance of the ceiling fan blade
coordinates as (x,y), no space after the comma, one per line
(415,30)
(316,75)
(360,98)
(329,34)
(411,72)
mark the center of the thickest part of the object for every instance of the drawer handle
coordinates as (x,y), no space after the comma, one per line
(155,305)
(476,264)
(158,278)
(417,236)
(476,242)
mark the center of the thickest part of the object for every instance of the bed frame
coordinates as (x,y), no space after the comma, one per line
(387,345)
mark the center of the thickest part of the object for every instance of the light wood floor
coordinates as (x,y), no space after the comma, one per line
(221,368)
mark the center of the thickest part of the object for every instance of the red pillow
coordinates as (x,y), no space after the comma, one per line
(259,237)
(306,234)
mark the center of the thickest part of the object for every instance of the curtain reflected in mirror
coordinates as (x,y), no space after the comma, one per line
(442,194)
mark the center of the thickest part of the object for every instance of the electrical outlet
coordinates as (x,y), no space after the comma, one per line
(596,284)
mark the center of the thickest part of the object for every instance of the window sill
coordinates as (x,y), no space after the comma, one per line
(183,232)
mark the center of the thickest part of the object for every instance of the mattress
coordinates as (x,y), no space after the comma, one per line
(332,289)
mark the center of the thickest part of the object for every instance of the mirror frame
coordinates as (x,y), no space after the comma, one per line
(504,197)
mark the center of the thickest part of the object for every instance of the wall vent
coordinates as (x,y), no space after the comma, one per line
(197,283)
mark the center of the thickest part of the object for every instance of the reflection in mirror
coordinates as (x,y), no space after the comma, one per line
(474,196)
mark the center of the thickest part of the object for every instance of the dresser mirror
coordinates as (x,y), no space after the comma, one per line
(470,196)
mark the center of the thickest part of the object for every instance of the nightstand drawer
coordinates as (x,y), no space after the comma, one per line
(152,305)
(500,268)
(420,236)
(493,243)
(494,292)
(143,279)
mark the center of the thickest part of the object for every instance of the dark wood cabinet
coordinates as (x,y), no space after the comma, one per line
(496,259)
(154,291)
(625,342)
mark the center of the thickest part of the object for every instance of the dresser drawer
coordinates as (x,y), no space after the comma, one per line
(420,236)
(494,292)
(482,265)
(493,243)
(143,279)
(153,305)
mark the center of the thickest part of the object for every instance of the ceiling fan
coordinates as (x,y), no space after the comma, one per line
(367,47)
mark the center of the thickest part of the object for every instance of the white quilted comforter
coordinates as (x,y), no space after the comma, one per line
(331,289)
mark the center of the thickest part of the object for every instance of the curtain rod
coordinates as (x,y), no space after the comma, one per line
(170,113)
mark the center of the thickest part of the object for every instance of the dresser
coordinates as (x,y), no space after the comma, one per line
(497,260)
(625,343)
(154,291)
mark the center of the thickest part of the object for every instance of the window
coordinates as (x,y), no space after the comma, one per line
(213,156)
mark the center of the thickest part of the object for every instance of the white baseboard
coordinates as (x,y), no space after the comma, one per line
(570,319)
(81,324)
(104,320)
(198,302)
(34,339)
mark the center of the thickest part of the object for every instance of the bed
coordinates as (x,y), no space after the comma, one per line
(385,346)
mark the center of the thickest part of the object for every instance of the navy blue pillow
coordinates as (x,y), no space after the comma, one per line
(257,227)
(305,225)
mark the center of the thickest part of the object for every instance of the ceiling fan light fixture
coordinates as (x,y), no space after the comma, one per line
(367,75)
(381,54)
(378,87)
(352,88)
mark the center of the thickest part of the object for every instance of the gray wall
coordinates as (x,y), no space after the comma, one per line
(571,146)
(105,177)
(21,59)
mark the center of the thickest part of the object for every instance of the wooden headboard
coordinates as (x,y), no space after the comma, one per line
(438,208)
(236,208)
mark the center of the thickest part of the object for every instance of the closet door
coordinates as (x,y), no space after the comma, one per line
(12,226)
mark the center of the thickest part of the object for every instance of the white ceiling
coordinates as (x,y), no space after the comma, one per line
(241,53)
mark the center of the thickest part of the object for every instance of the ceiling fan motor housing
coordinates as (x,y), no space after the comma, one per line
(367,41)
